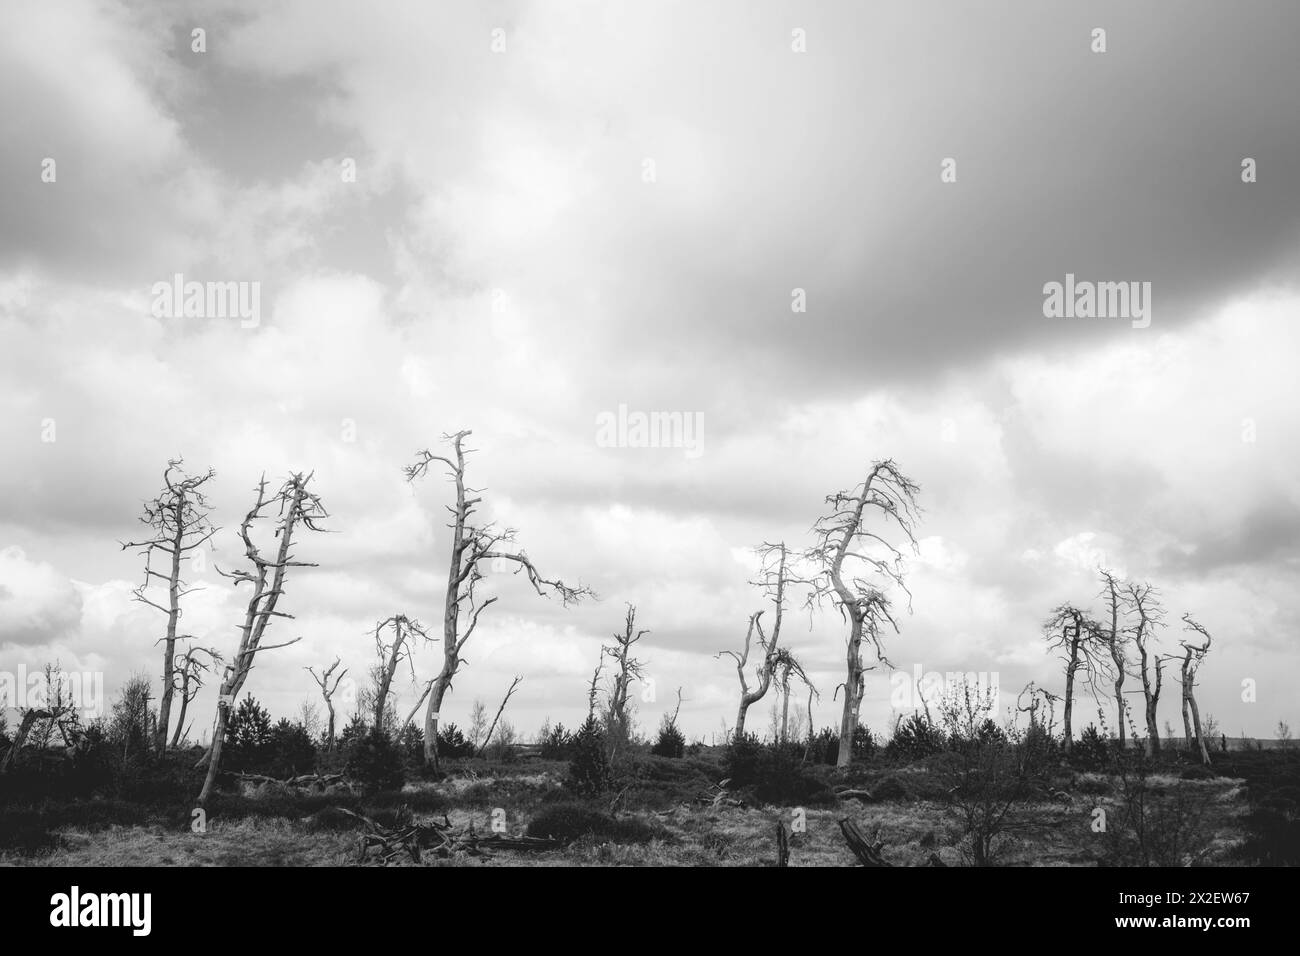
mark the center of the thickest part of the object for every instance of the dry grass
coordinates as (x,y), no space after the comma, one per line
(912,830)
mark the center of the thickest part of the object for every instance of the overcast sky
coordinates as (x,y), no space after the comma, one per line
(561,208)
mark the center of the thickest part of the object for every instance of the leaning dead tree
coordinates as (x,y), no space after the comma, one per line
(188,677)
(298,508)
(1038,698)
(849,559)
(178,518)
(391,654)
(1142,606)
(327,692)
(500,710)
(788,666)
(1194,652)
(57,710)
(1070,632)
(618,718)
(773,578)
(471,545)
(1116,641)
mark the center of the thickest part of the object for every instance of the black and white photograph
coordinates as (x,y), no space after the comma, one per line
(640,434)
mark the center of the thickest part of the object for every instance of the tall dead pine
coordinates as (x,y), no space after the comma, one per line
(472,544)
(852,561)
(298,508)
(178,518)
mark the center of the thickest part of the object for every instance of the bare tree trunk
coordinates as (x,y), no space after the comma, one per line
(842,534)
(471,544)
(1152,705)
(1191,661)
(178,516)
(20,736)
(169,640)
(1069,694)
(180,718)
(431,717)
(505,700)
(1110,589)
(214,752)
(853,688)
(750,697)
(1200,737)
(785,707)
(298,508)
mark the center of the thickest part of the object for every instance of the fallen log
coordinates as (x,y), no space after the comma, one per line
(412,838)
(868,854)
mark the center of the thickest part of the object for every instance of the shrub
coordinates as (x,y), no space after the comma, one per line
(990,787)
(557,744)
(1091,751)
(889,790)
(248,732)
(824,746)
(452,744)
(26,832)
(671,742)
(1155,826)
(289,751)
(375,762)
(411,743)
(773,774)
(589,772)
(355,729)
(915,738)
(570,821)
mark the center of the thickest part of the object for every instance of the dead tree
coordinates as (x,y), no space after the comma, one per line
(1069,631)
(504,700)
(1193,654)
(595,683)
(1116,640)
(30,716)
(178,518)
(188,676)
(1038,697)
(774,577)
(54,714)
(471,544)
(867,852)
(1142,606)
(848,557)
(405,631)
(298,508)
(327,691)
(788,665)
(618,719)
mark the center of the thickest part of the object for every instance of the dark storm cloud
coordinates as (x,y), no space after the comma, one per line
(1268,535)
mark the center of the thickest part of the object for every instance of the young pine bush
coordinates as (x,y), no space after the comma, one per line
(289,751)
(557,744)
(375,762)
(915,739)
(452,743)
(570,821)
(1091,752)
(248,734)
(773,774)
(671,742)
(589,773)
